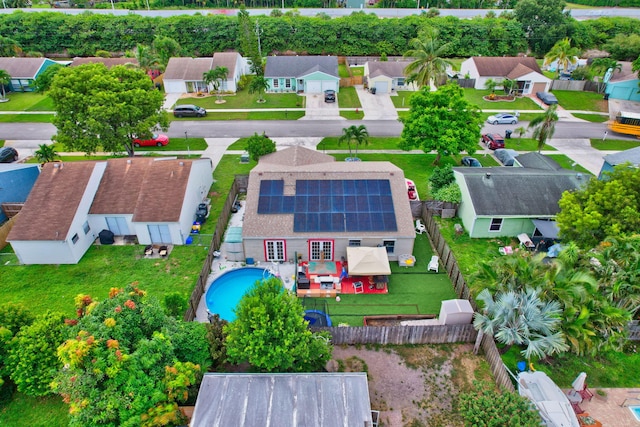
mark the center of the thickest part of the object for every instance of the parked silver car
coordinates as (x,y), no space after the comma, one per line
(503,119)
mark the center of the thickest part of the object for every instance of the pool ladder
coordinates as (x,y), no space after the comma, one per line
(629,400)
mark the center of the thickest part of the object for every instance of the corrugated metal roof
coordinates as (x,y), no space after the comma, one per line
(283,400)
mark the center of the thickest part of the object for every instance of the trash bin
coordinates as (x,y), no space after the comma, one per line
(507,133)
(606,96)
(372,90)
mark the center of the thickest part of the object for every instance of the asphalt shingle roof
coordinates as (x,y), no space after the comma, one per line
(631,155)
(299,66)
(25,68)
(391,69)
(227,60)
(501,66)
(190,69)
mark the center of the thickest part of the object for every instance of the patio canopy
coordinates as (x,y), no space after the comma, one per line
(546,228)
(365,261)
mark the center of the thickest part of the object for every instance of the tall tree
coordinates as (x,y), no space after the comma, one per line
(600,66)
(442,121)
(544,126)
(249,44)
(166,48)
(522,318)
(5,79)
(563,54)
(9,47)
(544,22)
(216,78)
(105,108)
(608,207)
(271,334)
(259,85)
(44,79)
(146,57)
(128,363)
(428,64)
(356,135)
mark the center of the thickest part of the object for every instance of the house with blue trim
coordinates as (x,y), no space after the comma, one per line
(624,84)
(631,156)
(24,71)
(16,182)
(302,74)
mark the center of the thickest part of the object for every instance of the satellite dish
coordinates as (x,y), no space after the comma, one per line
(608,75)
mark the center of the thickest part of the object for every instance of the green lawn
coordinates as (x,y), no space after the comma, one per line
(342,70)
(357,70)
(27,411)
(567,163)
(352,115)
(54,287)
(401,100)
(26,118)
(223,177)
(583,101)
(375,143)
(348,98)
(525,144)
(248,115)
(411,291)
(243,99)
(179,144)
(240,144)
(593,118)
(475,97)
(27,101)
(614,144)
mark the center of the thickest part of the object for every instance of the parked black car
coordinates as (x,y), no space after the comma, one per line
(8,155)
(329,95)
(547,98)
(188,110)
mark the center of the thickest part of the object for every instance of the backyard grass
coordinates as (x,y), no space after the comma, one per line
(54,287)
(243,99)
(28,411)
(27,101)
(179,144)
(593,118)
(582,101)
(614,144)
(411,291)
(342,70)
(375,143)
(348,98)
(26,118)
(357,71)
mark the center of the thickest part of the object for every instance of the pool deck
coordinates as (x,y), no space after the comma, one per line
(609,412)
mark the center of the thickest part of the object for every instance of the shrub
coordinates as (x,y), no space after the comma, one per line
(451,193)
(441,177)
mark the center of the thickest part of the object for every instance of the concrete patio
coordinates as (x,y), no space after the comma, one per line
(609,412)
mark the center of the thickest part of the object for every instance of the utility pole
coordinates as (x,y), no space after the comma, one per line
(258,33)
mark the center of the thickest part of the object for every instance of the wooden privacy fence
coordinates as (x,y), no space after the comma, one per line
(4,231)
(440,334)
(239,186)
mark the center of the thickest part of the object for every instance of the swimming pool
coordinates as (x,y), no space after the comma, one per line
(226,291)
(635,410)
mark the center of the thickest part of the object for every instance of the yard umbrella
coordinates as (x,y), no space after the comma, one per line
(579,383)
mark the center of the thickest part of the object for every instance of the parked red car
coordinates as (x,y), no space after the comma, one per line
(493,140)
(157,140)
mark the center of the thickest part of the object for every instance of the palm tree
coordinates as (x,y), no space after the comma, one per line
(601,65)
(347,137)
(427,52)
(147,60)
(360,135)
(5,78)
(491,85)
(563,53)
(259,85)
(45,153)
(216,78)
(522,318)
(544,126)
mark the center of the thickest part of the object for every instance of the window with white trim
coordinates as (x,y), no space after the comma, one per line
(390,245)
(86,227)
(355,242)
(276,83)
(321,250)
(496,224)
(287,83)
(75,238)
(275,250)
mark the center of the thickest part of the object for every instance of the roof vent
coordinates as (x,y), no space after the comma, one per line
(57,165)
(128,161)
(181,163)
(488,175)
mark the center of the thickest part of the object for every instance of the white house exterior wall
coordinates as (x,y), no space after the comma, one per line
(468,67)
(534,78)
(175,86)
(43,252)
(466,212)
(200,181)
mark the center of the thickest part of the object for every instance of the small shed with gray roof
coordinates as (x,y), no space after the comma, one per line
(292,400)
(631,156)
(522,69)
(504,201)
(302,201)
(304,74)
(24,71)
(386,76)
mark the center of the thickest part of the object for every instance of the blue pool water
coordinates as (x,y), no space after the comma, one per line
(226,291)
(635,410)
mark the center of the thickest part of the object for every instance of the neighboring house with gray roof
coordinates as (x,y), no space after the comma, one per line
(303,74)
(504,201)
(624,83)
(16,182)
(631,156)
(300,201)
(154,199)
(386,76)
(184,75)
(24,71)
(305,399)
(536,161)
(524,70)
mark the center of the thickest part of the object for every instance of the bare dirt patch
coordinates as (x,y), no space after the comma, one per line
(414,386)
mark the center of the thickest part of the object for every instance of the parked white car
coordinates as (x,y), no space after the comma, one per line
(503,119)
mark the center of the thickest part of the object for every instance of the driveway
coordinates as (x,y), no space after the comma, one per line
(317,109)
(581,152)
(376,107)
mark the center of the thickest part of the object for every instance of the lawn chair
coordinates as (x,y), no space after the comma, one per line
(163,251)
(358,287)
(148,250)
(433,264)
(420,228)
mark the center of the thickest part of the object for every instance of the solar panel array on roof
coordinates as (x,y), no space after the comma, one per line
(332,205)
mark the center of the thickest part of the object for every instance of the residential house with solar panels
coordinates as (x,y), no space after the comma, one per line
(303,202)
